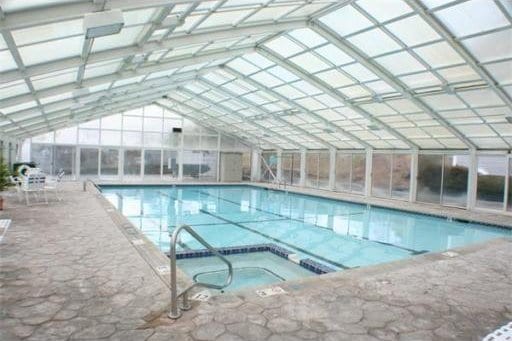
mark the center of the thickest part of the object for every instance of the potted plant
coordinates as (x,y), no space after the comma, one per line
(4,181)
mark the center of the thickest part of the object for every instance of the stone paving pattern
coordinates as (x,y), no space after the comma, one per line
(69,273)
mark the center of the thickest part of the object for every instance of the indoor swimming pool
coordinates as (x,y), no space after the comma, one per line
(337,235)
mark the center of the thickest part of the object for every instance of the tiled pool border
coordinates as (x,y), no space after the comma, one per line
(277,250)
(297,191)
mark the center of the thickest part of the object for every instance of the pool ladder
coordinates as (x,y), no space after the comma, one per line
(175,311)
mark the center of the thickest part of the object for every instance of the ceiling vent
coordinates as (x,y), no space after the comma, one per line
(100,24)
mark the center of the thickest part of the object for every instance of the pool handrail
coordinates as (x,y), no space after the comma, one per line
(175,311)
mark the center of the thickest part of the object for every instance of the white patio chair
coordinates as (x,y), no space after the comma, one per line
(34,182)
(17,184)
(54,184)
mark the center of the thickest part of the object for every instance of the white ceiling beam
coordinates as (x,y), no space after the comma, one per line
(444,32)
(334,93)
(385,75)
(175,42)
(176,63)
(268,113)
(224,109)
(296,106)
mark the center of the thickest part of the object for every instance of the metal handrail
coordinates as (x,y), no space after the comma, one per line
(175,312)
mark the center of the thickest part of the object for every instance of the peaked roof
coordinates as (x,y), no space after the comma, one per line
(386,74)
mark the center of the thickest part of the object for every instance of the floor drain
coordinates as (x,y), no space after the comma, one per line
(270,292)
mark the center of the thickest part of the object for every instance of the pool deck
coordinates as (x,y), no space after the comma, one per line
(76,270)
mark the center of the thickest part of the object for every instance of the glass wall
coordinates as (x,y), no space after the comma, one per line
(200,165)
(490,190)
(132,162)
(509,205)
(268,166)
(290,168)
(246,166)
(443,179)
(391,175)
(147,136)
(350,172)
(317,169)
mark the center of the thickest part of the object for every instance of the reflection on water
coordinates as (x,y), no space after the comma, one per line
(340,234)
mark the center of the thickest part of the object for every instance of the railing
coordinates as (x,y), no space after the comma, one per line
(85,184)
(175,311)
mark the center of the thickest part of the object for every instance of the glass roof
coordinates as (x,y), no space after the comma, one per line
(387,74)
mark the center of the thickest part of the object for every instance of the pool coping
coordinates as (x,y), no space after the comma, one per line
(443,212)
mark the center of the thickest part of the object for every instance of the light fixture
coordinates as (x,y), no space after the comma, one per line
(100,24)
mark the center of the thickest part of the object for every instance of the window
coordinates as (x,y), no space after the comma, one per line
(200,165)
(152,162)
(290,165)
(268,166)
(317,169)
(350,172)
(490,190)
(381,175)
(132,162)
(109,161)
(246,166)
(430,170)
(391,175)
(89,161)
(170,165)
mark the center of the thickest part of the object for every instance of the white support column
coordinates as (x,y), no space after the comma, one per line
(218,157)
(472,179)
(279,173)
(255,165)
(369,172)
(414,176)
(302,182)
(332,169)
(142,163)
(180,158)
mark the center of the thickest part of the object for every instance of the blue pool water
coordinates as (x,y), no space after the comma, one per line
(338,234)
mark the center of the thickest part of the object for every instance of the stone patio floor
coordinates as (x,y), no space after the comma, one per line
(68,272)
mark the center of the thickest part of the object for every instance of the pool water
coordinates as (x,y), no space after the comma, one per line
(338,234)
(249,269)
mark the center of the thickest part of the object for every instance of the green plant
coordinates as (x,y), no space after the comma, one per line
(4,176)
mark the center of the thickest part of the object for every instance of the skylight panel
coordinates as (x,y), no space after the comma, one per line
(52,50)
(334,55)
(501,72)
(56,98)
(374,42)
(419,80)
(491,46)
(218,77)
(444,102)
(413,31)
(284,46)
(360,72)
(346,20)
(380,87)
(100,69)
(258,60)
(270,13)
(384,10)
(490,143)
(283,74)
(355,91)
(307,10)
(461,73)
(162,73)
(51,31)
(225,18)
(378,109)
(439,55)
(481,98)
(328,101)
(126,37)
(289,92)
(266,79)
(403,106)
(242,66)
(472,17)
(308,37)
(400,63)
(309,62)
(310,103)
(233,87)
(6,61)
(19,107)
(306,88)
(54,79)
(335,78)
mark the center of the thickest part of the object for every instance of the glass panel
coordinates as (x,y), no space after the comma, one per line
(170,166)
(290,164)
(358,173)
(381,175)
(42,155)
(343,170)
(132,162)
(64,160)
(490,182)
(311,169)
(209,166)
(152,162)
(429,178)
(89,161)
(246,166)
(109,161)
(509,184)
(271,162)
(191,164)
(401,176)
(323,170)
(455,180)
